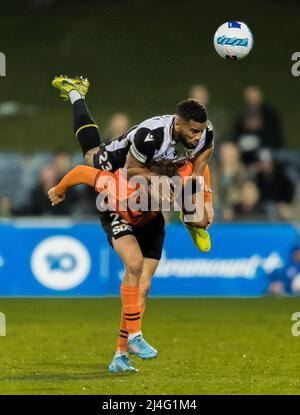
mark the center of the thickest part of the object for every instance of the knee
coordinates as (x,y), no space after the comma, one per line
(89,156)
(134,267)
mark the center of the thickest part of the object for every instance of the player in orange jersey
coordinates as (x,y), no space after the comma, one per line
(146,228)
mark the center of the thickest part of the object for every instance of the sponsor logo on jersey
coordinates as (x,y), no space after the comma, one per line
(149,137)
(189,153)
(121,228)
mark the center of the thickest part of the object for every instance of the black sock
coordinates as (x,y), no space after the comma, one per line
(85,128)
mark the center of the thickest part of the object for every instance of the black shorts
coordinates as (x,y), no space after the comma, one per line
(149,237)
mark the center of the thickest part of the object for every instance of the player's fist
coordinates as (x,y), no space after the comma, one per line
(54,197)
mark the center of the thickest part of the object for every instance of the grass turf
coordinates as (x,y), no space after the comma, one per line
(206,346)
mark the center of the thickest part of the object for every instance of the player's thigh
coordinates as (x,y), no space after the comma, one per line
(120,235)
(151,238)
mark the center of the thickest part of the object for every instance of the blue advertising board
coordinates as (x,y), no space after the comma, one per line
(68,259)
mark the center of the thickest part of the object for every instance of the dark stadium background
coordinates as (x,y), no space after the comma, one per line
(141,58)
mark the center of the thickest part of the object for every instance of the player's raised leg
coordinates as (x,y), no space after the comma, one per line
(71,88)
(85,128)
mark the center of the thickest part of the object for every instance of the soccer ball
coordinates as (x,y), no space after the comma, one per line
(233,40)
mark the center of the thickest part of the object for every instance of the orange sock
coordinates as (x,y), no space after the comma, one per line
(131,308)
(123,335)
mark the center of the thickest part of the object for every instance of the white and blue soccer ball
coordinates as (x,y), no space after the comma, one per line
(233,40)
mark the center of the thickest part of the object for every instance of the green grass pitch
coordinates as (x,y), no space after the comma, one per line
(206,346)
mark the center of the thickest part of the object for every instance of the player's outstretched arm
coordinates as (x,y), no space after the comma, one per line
(200,168)
(78,175)
(208,203)
(201,161)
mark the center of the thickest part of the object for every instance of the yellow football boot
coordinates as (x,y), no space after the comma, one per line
(200,236)
(66,84)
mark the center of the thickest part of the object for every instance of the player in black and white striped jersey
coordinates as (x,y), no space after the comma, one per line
(186,135)
(157,139)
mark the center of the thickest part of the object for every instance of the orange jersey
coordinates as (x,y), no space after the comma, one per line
(118,181)
(119,192)
(112,183)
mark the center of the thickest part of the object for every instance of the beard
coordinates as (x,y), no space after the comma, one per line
(184,141)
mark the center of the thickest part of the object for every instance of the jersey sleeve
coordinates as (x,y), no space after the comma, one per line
(209,141)
(145,143)
(78,175)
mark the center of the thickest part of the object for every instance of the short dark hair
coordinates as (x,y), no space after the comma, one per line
(192,109)
(164,167)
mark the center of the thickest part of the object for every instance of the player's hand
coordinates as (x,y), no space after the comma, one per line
(210,213)
(54,197)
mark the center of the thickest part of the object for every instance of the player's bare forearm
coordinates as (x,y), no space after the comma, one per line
(201,161)
(208,202)
(200,168)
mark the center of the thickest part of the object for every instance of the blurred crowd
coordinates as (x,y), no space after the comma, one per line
(254,177)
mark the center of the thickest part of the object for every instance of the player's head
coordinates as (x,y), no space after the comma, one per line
(190,121)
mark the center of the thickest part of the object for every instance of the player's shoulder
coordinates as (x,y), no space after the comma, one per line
(149,137)
(154,129)
(157,122)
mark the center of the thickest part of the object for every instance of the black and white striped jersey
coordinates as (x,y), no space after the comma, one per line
(148,141)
